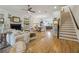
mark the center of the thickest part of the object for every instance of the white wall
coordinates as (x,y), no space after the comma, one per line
(56,14)
(34,18)
(75,10)
(37,20)
(6,19)
(47,18)
(13,13)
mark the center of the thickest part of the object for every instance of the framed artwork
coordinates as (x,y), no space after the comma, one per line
(15,19)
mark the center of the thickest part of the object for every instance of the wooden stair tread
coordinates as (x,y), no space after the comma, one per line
(67,31)
(71,37)
(68,34)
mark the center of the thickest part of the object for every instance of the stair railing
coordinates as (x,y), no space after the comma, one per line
(74,18)
(58,29)
(60,22)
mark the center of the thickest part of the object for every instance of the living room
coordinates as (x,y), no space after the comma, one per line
(38,28)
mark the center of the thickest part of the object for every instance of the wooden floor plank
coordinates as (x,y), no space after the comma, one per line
(47,43)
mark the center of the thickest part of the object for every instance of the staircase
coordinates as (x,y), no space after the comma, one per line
(67,29)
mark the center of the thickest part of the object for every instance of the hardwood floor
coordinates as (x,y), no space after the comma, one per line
(46,43)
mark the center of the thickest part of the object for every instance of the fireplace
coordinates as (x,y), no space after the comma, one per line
(15,26)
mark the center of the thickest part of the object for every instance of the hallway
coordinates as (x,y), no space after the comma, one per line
(46,43)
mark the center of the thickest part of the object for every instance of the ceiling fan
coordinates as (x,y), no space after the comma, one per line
(29,9)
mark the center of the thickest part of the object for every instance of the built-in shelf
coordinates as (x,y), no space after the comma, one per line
(26,24)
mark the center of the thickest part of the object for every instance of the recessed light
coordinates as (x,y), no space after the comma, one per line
(25,15)
(39,11)
(55,7)
(28,11)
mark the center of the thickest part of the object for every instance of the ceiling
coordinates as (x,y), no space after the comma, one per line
(39,9)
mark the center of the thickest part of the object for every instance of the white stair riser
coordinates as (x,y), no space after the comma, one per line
(68,37)
(71,34)
(67,26)
(67,31)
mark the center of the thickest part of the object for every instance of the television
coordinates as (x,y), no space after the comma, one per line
(15,19)
(15,26)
